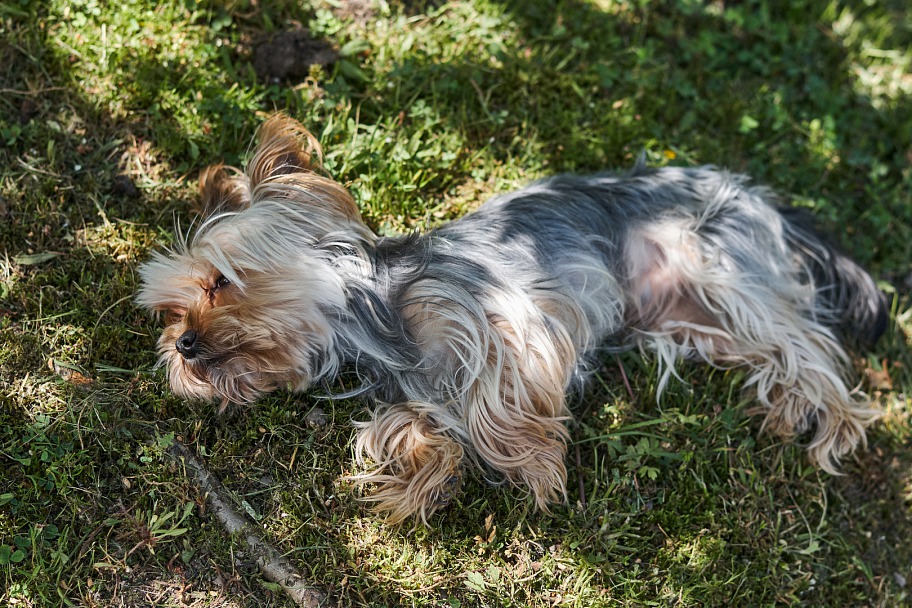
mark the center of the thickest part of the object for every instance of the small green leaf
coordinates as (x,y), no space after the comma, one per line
(354,47)
(31,259)
(171,532)
(748,124)
(813,547)
(274,587)
(350,70)
(250,510)
(493,574)
(475,581)
(165,441)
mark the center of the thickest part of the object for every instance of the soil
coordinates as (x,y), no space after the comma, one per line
(288,55)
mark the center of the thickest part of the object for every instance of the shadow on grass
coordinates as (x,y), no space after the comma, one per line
(783,93)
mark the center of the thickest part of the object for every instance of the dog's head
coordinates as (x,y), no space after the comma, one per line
(249,299)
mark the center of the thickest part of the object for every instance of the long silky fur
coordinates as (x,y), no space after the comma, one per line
(469,336)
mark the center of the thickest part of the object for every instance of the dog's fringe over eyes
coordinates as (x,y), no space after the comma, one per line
(470,335)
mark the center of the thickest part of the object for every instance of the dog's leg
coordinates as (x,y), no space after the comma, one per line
(500,366)
(797,368)
(515,408)
(514,433)
(707,308)
(802,386)
(416,465)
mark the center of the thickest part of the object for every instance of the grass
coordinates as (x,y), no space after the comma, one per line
(109,110)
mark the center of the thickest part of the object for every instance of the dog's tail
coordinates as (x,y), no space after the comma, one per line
(854,307)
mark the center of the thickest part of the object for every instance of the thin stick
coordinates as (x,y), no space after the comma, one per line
(624,376)
(272,565)
(31,93)
(579,477)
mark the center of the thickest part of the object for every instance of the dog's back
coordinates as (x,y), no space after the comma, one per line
(562,218)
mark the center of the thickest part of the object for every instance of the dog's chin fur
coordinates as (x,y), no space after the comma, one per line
(470,336)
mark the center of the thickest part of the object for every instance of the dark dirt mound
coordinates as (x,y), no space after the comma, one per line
(288,55)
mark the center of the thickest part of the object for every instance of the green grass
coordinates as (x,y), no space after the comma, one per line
(431,109)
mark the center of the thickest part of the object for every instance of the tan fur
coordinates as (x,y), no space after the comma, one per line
(414,465)
(223,189)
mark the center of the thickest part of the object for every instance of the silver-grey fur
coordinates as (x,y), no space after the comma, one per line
(469,336)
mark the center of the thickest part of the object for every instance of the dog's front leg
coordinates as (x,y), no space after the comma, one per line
(415,465)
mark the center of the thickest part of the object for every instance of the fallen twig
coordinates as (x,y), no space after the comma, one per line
(274,567)
(579,477)
(626,381)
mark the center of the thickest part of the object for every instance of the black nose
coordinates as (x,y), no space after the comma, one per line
(187,344)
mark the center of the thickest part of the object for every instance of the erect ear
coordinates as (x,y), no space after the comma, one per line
(287,164)
(285,147)
(223,189)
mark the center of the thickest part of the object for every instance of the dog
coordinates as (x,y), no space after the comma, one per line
(468,337)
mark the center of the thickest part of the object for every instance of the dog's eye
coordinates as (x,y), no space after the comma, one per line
(221,281)
(174,315)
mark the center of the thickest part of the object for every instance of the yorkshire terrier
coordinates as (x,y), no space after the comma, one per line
(470,335)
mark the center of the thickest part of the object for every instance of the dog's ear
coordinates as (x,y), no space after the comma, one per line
(285,147)
(287,164)
(223,189)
